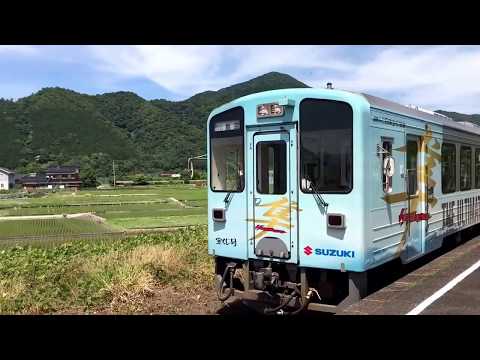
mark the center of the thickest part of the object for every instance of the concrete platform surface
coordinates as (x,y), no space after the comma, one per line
(407,293)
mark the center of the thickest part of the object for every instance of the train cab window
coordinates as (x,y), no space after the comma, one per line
(465,168)
(412,179)
(326,146)
(449,168)
(477,168)
(271,167)
(226,151)
(386,180)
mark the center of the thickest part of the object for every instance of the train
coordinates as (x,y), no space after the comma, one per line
(309,189)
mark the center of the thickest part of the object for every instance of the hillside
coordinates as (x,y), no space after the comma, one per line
(475,118)
(57,125)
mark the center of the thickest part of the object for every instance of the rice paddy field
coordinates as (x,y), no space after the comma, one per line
(48,227)
(123,209)
(106,263)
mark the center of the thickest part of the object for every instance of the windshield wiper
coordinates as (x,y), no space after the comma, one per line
(228,198)
(316,193)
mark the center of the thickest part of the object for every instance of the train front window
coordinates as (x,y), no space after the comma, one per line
(271,167)
(226,151)
(326,140)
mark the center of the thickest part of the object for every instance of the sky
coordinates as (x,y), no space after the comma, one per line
(432,77)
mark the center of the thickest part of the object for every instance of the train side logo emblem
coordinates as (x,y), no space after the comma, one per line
(307,250)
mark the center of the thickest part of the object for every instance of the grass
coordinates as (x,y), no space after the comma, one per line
(118,275)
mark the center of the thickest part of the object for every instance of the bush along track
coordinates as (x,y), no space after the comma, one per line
(161,273)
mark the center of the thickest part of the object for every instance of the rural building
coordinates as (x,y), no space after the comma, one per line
(170,174)
(7,179)
(55,177)
(64,176)
(34,181)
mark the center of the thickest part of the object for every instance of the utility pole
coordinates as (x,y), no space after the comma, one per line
(113,165)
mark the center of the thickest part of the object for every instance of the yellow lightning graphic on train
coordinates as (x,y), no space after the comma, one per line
(277,215)
(425,172)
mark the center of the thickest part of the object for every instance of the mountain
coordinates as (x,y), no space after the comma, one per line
(57,125)
(60,126)
(475,118)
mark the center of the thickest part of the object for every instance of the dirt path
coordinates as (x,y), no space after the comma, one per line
(154,230)
(178,202)
(59,216)
(164,301)
(173,301)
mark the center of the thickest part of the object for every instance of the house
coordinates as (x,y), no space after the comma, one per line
(7,179)
(34,181)
(64,176)
(55,177)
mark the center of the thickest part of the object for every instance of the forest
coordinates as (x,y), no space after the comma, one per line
(61,126)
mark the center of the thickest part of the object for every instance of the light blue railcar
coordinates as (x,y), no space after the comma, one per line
(310,188)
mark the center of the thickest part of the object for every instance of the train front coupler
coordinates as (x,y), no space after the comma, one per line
(268,281)
(229,272)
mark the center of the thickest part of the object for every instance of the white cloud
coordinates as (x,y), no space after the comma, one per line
(18,49)
(435,77)
(190,69)
(261,59)
(445,77)
(439,77)
(177,68)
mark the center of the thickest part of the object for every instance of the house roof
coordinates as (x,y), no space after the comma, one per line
(62,169)
(37,179)
(6,171)
(42,179)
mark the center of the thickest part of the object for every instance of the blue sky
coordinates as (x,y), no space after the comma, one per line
(433,77)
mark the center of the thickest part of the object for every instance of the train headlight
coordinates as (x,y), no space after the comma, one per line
(218,215)
(336,221)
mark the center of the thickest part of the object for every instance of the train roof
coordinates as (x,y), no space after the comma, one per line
(373,101)
(416,112)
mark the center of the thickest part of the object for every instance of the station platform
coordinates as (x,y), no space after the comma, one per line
(448,285)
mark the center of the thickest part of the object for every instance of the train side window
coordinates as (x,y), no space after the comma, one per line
(449,168)
(477,168)
(465,168)
(387,181)
(412,181)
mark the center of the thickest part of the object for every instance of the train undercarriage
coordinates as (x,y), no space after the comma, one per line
(284,288)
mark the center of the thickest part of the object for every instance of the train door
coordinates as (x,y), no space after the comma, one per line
(415,214)
(272,197)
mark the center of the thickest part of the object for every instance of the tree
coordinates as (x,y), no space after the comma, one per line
(89,177)
(140,179)
(185,174)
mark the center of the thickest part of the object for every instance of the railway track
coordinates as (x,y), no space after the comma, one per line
(378,278)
